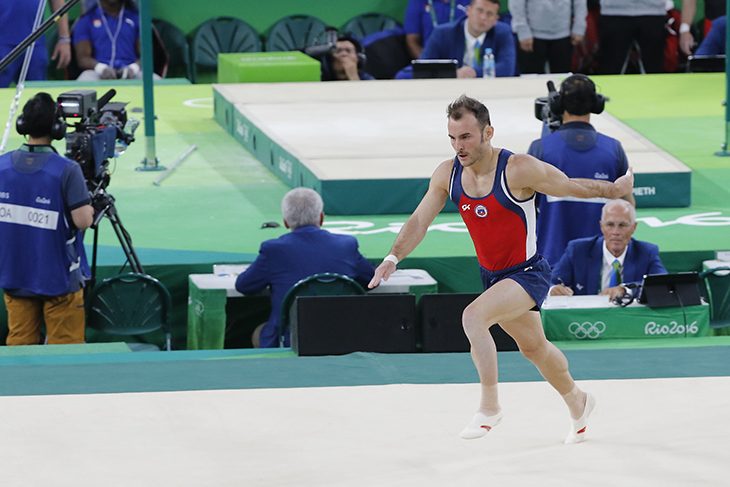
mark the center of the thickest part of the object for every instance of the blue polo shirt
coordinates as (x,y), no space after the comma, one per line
(104,31)
(40,252)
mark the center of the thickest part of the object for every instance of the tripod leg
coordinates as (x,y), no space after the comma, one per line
(92,281)
(124,239)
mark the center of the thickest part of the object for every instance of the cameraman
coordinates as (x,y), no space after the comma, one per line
(578,150)
(345,62)
(44,205)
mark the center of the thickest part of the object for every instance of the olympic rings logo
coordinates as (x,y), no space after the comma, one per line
(587,329)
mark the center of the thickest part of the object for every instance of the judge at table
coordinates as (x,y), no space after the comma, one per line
(306,250)
(606,263)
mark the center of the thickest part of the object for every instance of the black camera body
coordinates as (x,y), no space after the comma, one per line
(102,124)
(580,89)
(545,115)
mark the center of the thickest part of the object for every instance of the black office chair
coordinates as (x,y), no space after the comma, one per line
(386,53)
(219,35)
(130,304)
(323,284)
(178,52)
(295,32)
(363,25)
(717,286)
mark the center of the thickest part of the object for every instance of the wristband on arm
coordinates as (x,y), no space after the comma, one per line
(391,258)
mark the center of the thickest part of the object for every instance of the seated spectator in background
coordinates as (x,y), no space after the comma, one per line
(466,39)
(714,43)
(624,21)
(423,15)
(306,250)
(346,63)
(106,42)
(580,151)
(605,263)
(713,10)
(16,19)
(547,30)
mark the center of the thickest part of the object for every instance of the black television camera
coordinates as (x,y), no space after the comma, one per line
(577,96)
(103,126)
(548,117)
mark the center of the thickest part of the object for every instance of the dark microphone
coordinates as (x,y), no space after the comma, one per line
(105,99)
(551,87)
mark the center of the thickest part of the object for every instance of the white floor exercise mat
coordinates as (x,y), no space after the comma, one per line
(657,432)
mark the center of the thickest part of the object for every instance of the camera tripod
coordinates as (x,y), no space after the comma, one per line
(103,204)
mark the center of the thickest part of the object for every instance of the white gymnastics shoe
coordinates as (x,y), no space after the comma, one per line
(480,425)
(578,428)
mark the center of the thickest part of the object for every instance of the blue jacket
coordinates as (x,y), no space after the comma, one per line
(580,266)
(448,42)
(295,255)
(714,43)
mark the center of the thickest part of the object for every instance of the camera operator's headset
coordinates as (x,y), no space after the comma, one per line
(57,131)
(556,99)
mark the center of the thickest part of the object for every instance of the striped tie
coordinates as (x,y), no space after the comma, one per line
(477,63)
(615,279)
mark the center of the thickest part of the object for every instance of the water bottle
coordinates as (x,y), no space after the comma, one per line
(488,64)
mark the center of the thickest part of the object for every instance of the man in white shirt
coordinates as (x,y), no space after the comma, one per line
(605,263)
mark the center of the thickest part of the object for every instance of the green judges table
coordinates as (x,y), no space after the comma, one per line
(207,295)
(595,318)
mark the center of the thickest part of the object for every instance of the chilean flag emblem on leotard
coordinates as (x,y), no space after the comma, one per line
(480,211)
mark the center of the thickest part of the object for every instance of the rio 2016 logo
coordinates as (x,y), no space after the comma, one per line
(673,328)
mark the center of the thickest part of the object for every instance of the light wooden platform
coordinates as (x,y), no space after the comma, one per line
(354,140)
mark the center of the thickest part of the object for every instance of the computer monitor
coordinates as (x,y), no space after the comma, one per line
(663,290)
(708,63)
(434,68)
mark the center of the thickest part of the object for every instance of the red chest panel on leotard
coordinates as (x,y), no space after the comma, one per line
(501,227)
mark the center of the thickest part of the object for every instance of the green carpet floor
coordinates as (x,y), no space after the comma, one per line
(236,369)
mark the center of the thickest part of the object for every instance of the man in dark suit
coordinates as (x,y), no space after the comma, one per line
(605,263)
(306,250)
(466,40)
